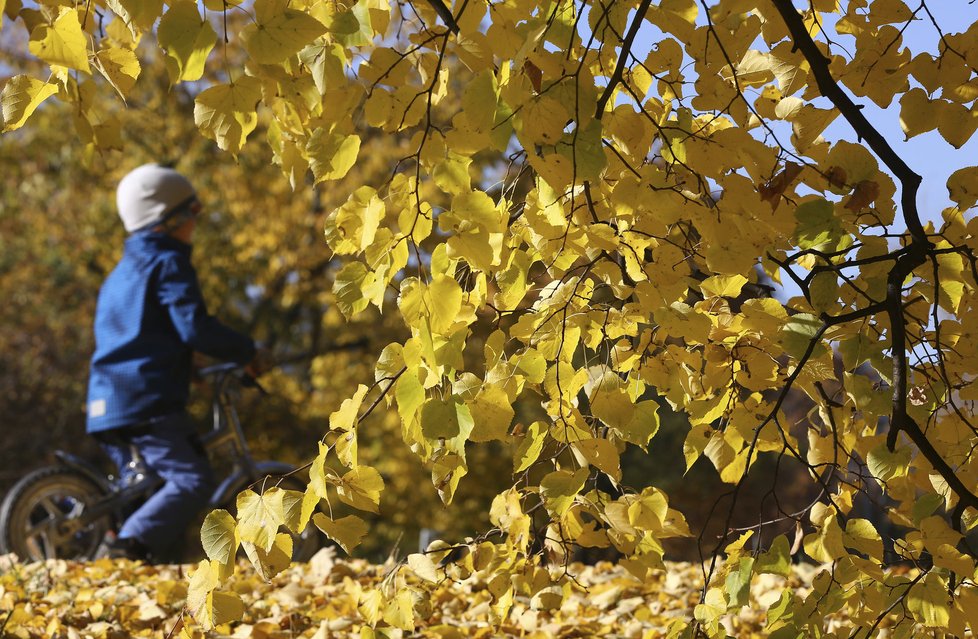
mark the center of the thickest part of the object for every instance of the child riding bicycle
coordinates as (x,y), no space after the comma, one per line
(149,319)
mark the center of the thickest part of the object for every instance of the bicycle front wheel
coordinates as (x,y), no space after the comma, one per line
(39,517)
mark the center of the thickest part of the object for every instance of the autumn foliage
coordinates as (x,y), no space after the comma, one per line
(580,229)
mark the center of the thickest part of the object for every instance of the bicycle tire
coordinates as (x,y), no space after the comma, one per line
(31,510)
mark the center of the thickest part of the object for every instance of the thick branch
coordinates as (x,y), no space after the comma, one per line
(445,14)
(626,48)
(827,85)
(909,258)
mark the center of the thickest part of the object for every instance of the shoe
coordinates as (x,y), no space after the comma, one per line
(113,547)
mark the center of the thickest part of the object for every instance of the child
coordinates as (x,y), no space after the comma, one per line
(149,320)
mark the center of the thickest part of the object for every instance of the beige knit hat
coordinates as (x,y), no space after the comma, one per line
(146,195)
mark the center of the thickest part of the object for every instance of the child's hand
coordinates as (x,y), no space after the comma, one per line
(262,362)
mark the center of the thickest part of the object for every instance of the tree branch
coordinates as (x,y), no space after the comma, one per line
(445,14)
(827,85)
(626,48)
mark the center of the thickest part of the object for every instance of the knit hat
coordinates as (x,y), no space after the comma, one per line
(148,194)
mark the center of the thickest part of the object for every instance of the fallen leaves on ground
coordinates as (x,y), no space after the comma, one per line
(112,599)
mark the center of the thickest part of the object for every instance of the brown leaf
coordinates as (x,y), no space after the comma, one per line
(865,194)
(534,73)
(772,191)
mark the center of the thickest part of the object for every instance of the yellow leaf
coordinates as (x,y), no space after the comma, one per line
(292,509)
(20,96)
(259,516)
(120,66)
(723,285)
(62,43)
(347,531)
(226,113)
(446,472)
(928,602)
(399,612)
(361,488)
(279,32)
(370,604)
(268,564)
(208,606)
(345,418)
(957,123)
(219,538)
(492,414)
(187,39)
(826,544)
(202,582)
(452,174)
(602,454)
(140,14)
(962,187)
(423,567)
(409,394)
(530,447)
(918,114)
(861,535)
(331,155)
(444,301)
(351,228)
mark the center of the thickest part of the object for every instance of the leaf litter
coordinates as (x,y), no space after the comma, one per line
(113,599)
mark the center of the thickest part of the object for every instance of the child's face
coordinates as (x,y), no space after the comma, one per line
(185,232)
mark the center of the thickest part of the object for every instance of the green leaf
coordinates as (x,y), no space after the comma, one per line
(445,418)
(861,535)
(886,465)
(797,334)
(219,538)
(348,287)
(738,583)
(777,559)
(559,489)
(817,225)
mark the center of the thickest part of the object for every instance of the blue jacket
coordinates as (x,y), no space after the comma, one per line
(149,319)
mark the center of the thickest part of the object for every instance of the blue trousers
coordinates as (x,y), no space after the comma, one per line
(171,448)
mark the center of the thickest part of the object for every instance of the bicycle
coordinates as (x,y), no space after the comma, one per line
(64,511)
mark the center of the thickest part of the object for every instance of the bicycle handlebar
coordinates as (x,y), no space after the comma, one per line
(225,369)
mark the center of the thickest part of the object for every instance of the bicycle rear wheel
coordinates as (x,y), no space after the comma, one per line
(39,516)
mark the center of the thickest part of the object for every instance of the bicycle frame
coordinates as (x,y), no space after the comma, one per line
(226,433)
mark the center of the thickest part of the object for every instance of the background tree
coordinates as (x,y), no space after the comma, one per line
(626,201)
